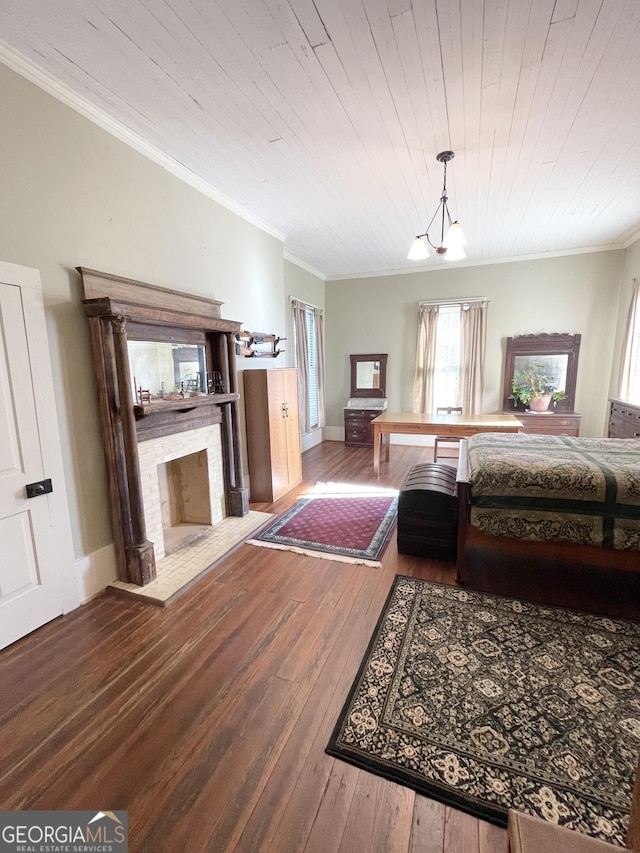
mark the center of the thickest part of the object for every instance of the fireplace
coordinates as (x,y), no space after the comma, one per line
(182,487)
(173,459)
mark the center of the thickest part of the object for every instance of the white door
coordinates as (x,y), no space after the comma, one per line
(35,543)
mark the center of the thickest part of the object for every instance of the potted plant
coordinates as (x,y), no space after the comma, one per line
(535,390)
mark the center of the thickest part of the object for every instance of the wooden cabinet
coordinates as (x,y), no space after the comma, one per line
(357,426)
(273,432)
(624,420)
(556,423)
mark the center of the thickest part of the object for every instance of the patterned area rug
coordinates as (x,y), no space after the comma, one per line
(340,522)
(487,703)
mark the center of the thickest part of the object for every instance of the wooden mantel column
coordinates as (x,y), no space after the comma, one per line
(237,493)
(139,552)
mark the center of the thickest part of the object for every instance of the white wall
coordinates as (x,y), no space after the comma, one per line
(74,195)
(573,294)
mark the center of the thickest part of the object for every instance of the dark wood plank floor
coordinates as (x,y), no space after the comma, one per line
(207,720)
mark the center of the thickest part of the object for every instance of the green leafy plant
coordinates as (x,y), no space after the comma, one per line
(528,383)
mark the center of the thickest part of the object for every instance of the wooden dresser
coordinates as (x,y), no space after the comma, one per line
(624,420)
(358,415)
(556,423)
(367,399)
(555,356)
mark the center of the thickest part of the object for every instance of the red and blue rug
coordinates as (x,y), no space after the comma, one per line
(336,521)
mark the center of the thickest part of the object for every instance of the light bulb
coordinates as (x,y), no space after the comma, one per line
(455,236)
(456,253)
(418,250)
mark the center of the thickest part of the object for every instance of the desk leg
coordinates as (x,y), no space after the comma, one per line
(386,441)
(376,449)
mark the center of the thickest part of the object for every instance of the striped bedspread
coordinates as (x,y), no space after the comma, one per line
(551,488)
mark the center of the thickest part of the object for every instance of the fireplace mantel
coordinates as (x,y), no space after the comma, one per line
(120,309)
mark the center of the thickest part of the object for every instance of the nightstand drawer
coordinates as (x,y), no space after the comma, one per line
(624,420)
(551,424)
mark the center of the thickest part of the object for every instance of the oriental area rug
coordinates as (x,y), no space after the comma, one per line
(486,703)
(337,521)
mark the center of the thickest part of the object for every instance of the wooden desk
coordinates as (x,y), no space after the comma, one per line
(409,424)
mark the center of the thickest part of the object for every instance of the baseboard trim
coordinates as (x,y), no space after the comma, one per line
(95,572)
(333,433)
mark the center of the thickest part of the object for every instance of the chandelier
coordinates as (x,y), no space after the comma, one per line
(452,243)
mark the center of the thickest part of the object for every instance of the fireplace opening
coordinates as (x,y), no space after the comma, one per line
(185,500)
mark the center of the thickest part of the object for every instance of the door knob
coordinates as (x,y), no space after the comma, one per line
(42,487)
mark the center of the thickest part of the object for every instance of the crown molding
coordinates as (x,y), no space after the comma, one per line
(303,265)
(633,239)
(443,265)
(25,67)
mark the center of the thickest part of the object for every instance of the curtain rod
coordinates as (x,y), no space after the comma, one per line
(453,301)
(304,302)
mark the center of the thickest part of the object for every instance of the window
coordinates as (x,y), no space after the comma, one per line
(633,394)
(446,375)
(308,358)
(450,355)
(630,375)
(312,382)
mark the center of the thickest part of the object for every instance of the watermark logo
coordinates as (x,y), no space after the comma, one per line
(64,832)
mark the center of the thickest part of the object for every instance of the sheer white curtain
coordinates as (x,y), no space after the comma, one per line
(630,365)
(425,358)
(473,343)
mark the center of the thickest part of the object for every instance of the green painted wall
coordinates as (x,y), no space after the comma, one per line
(573,294)
(73,195)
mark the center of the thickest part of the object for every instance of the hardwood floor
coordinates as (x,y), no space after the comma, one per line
(207,720)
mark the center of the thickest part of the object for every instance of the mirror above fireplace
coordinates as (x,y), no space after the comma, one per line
(160,369)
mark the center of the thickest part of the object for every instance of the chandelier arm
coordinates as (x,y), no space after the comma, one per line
(426,233)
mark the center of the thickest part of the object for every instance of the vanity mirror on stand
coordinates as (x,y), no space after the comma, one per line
(553,357)
(367,399)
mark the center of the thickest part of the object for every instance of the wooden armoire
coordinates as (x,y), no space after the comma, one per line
(273,432)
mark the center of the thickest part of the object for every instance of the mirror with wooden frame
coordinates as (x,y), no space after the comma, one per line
(552,355)
(369,375)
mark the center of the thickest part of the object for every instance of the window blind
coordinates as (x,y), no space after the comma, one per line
(312,389)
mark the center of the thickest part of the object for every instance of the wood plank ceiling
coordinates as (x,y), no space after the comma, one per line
(323,118)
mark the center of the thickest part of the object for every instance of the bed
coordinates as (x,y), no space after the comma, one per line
(552,519)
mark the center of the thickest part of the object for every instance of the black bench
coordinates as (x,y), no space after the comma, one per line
(428,512)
